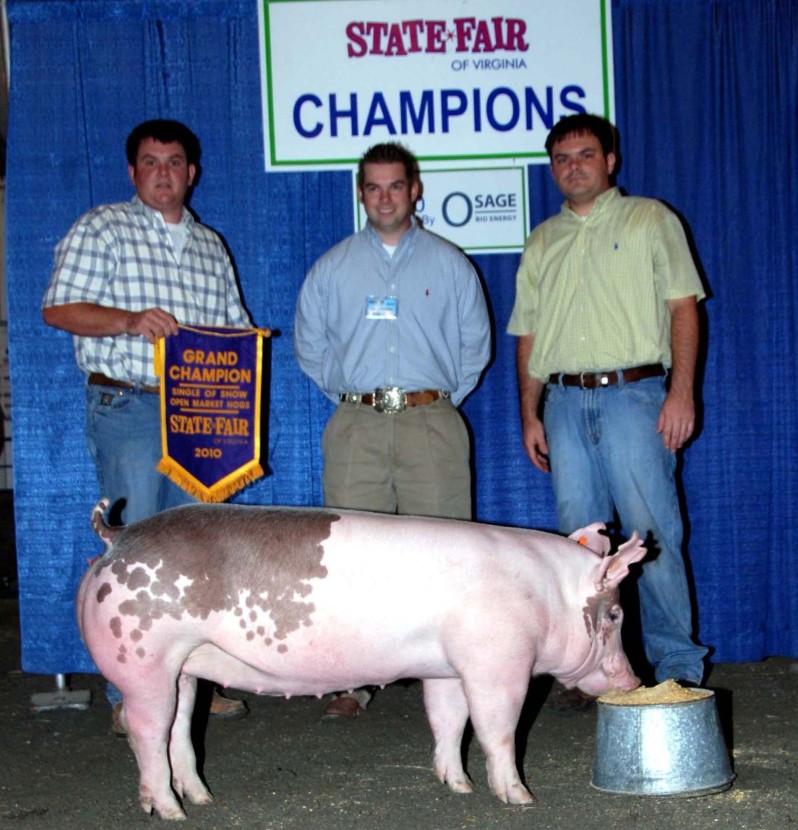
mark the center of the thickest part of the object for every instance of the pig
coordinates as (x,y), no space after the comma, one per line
(305,601)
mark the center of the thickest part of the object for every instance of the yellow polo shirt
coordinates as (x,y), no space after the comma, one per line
(593,289)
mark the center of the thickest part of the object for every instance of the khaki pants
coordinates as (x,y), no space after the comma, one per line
(415,462)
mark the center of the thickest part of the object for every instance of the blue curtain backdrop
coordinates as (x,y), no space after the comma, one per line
(706,107)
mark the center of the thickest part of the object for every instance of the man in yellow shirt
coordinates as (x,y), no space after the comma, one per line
(607,324)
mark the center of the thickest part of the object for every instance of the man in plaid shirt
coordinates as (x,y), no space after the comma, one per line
(125,275)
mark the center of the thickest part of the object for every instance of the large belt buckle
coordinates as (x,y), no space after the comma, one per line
(390,400)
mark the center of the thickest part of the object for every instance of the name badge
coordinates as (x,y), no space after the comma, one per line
(382,308)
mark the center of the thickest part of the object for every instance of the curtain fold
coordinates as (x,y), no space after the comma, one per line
(706,108)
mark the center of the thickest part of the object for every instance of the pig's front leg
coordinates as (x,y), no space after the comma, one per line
(447,712)
(185,781)
(495,708)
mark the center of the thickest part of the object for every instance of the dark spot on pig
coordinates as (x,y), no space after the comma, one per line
(116,627)
(250,635)
(207,559)
(120,658)
(141,653)
(138,579)
(282,648)
(136,635)
(103,591)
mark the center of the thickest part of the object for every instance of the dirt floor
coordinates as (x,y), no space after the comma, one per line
(281,768)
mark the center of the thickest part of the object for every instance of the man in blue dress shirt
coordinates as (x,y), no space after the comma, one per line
(392,325)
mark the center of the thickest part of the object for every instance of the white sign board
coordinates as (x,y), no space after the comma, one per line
(457,81)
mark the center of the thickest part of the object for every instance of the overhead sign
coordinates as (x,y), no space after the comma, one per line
(456,81)
(479,210)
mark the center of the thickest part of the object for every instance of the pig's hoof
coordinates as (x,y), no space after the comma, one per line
(169,809)
(520,797)
(169,813)
(462,785)
(200,798)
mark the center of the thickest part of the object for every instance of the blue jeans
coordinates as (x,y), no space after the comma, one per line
(606,457)
(123,431)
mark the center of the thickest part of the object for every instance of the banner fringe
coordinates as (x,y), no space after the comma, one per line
(221,491)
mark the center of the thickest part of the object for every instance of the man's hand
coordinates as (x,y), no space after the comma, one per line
(676,420)
(152,324)
(535,443)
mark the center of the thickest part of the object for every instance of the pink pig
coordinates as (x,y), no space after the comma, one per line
(293,601)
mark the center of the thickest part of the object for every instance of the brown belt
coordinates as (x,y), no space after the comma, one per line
(393,399)
(420,398)
(96,379)
(597,380)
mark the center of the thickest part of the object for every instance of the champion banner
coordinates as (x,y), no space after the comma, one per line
(211,409)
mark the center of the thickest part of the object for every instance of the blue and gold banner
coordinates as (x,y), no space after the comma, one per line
(211,409)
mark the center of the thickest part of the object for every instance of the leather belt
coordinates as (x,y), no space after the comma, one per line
(598,380)
(393,399)
(96,379)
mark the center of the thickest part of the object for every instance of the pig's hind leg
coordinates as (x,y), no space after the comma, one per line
(185,779)
(148,721)
(447,712)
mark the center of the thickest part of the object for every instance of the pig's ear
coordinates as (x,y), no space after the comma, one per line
(593,538)
(613,569)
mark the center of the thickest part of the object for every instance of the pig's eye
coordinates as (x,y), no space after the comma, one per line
(615,614)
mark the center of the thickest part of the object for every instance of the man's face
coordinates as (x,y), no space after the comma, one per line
(581,170)
(389,199)
(162,176)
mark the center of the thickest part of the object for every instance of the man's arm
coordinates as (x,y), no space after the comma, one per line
(311,339)
(475,336)
(91,320)
(677,416)
(530,391)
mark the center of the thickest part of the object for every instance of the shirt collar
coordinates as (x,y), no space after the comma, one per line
(155,217)
(599,206)
(415,225)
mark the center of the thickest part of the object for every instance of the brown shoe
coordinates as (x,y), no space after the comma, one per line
(226,708)
(344,706)
(116,721)
(566,701)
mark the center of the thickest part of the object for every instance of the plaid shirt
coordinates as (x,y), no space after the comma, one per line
(122,256)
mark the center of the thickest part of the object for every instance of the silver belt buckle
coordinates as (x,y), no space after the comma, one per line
(390,400)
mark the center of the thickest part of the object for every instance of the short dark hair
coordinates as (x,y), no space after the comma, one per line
(580,124)
(165,131)
(391,152)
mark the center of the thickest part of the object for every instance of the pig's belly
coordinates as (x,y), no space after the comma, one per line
(313,672)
